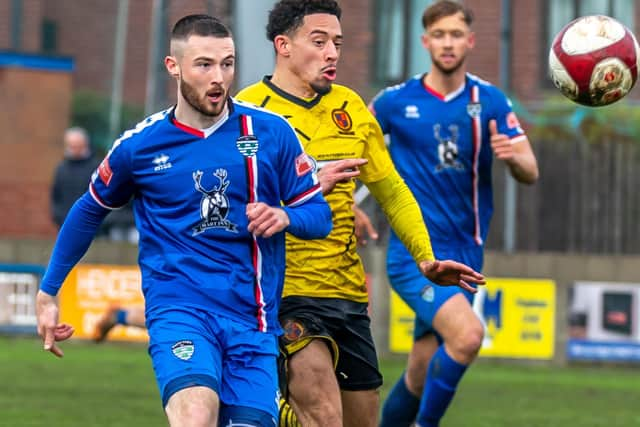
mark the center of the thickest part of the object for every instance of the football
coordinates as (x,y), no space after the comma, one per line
(594,60)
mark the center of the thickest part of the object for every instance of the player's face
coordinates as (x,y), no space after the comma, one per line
(315,49)
(448,41)
(206,70)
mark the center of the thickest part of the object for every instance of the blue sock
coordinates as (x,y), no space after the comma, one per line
(121,317)
(442,379)
(400,407)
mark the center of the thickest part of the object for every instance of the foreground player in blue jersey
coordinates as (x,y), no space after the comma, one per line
(445,127)
(215,185)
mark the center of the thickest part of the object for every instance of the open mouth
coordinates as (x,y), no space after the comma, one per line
(329,73)
(215,96)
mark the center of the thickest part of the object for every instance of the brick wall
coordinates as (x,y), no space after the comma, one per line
(5,24)
(32,11)
(32,25)
(354,69)
(36,108)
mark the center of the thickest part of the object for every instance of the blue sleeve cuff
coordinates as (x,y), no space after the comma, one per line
(310,220)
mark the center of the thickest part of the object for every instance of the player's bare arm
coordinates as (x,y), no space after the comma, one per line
(519,156)
(451,273)
(265,220)
(48,327)
(338,171)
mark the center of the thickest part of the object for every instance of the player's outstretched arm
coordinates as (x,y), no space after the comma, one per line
(451,273)
(72,243)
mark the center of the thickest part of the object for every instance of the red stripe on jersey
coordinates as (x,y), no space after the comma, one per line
(251,164)
(302,196)
(188,129)
(432,91)
(477,143)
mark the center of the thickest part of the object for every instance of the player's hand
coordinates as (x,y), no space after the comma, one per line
(265,221)
(363,227)
(48,327)
(500,143)
(338,171)
(451,273)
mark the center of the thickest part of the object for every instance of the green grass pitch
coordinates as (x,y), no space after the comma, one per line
(113,385)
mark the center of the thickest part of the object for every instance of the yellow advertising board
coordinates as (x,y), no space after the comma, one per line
(90,289)
(518,314)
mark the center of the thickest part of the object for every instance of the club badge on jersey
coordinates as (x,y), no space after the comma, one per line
(214,206)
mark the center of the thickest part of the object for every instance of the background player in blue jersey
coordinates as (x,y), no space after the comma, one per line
(215,185)
(445,127)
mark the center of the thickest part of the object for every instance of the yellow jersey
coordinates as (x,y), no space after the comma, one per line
(330,127)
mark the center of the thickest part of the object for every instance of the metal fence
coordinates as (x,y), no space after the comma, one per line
(18,287)
(586,200)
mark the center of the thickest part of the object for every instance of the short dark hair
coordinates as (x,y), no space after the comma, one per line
(287,15)
(199,25)
(442,8)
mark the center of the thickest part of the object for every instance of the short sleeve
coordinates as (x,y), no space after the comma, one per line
(505,117)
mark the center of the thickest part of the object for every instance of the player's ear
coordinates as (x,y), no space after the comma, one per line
(424,38)
(282,45)
(172,66)
(472,39)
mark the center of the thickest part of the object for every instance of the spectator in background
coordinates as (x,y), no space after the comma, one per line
(72,175)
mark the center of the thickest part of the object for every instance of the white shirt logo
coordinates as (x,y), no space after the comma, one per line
(411,112)
(162,162)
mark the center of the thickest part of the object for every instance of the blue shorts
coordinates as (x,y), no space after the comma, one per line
(423,296)
(189,347)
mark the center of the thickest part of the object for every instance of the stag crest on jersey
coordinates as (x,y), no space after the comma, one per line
(447,148)
(214,205)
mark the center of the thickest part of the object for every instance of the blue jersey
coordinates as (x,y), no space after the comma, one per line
(440,145)
(190,190)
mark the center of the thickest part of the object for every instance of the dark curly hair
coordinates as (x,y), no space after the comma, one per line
(287,15)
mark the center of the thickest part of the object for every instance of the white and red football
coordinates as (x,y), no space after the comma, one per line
(594,60)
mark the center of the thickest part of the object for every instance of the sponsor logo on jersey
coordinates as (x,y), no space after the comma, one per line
(411,112)
(342,119)
(104,171)
(214,206)
(474,109)
(304,164)
(447,148)
(183,350)
(512,121)
(161,163)
(247,145)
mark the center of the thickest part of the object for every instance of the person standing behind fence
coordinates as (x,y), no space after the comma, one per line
(72,175)
(445,127)
(215,185)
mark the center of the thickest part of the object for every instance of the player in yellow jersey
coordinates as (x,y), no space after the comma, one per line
(333,374)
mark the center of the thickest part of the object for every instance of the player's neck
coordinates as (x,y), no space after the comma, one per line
(289,82)
(444,83)
(191,117)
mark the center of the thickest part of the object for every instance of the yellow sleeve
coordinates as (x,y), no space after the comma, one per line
(379,163)
(403,213)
